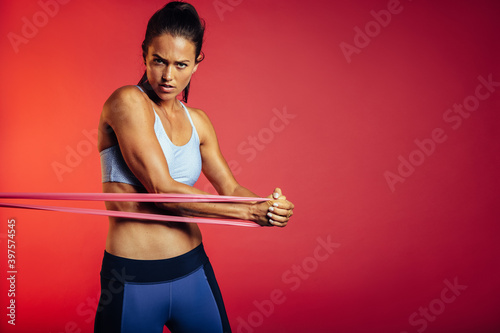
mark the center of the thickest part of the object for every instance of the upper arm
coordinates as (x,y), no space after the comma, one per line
(130,116)
(214,165)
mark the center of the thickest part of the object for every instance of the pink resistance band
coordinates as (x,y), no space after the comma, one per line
(137,197)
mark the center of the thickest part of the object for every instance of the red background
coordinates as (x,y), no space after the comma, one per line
(395,251)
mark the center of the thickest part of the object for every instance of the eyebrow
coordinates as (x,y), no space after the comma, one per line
(157,56)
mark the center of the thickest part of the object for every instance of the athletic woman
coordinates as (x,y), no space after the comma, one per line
(157,274)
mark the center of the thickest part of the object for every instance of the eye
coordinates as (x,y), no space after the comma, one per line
(181,65)
(158,61)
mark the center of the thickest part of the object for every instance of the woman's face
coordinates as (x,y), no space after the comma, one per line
(170,62)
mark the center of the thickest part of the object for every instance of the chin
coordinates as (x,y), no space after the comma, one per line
(167,96)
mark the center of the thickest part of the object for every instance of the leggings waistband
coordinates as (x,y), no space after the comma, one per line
(144,271)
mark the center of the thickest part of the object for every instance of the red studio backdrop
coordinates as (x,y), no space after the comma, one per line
(378,119)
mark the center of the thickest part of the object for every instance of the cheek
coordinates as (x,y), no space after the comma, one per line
(153,74)
(183,77)
(186,76)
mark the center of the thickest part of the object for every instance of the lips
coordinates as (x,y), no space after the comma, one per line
(166,88)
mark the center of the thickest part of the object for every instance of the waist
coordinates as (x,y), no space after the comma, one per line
(143,271)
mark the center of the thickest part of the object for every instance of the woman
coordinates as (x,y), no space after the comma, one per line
(155,274)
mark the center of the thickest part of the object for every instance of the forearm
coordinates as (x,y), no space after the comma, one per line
(210,209)
(241,191)
(239,210)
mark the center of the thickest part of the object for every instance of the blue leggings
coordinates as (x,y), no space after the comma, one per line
(145,295)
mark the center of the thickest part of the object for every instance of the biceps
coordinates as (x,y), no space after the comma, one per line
(144,157)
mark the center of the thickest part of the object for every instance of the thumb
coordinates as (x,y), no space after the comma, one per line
(277,193)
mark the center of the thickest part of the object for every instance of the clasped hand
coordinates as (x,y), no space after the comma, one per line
(275,212)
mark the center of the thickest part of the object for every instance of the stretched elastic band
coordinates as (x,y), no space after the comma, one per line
(139,197)
(143,216)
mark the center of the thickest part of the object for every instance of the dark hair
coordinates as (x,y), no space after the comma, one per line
(179,19)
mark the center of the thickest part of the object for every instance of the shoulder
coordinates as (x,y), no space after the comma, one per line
(202,123)
(197,115)
(126,101)
(125,95)
(200,118)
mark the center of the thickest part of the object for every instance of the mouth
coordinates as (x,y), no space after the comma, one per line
(166,88)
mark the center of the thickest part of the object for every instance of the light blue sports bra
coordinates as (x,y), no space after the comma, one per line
(184,162)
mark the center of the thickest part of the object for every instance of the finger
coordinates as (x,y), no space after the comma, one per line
(280,218)
(277,193)
(278,211)
(281,204)
(286,204)
(277,224)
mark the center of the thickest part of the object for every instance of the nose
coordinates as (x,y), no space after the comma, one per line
(167,74)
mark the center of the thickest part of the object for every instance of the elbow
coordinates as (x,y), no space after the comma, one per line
(171,208)
(168,207)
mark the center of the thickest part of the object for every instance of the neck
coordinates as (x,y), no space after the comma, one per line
(167,105)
